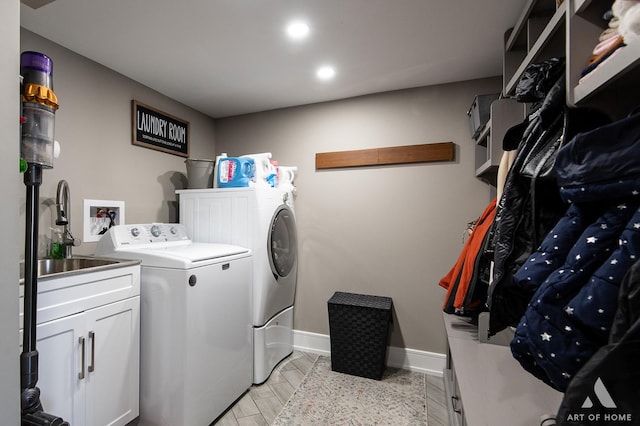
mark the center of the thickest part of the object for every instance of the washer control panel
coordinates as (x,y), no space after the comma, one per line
(151,233)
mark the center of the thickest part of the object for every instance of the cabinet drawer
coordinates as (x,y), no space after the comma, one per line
(452,395)
(59,297)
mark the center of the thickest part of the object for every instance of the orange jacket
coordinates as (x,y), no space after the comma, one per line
(458,280)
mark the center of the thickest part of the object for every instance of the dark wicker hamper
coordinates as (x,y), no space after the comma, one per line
(359,330)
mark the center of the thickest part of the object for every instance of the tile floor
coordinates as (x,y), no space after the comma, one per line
(261,404)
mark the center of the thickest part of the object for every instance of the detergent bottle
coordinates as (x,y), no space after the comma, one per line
(215,168)
(264,169)
(234,172)
(287,176)
(274,178)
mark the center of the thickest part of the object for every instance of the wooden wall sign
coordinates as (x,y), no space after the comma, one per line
(158,130)
(442,151)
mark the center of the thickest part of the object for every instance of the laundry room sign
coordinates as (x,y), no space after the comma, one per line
(160,131)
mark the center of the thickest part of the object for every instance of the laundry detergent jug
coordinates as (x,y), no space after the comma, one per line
(216,167)
(265,172)
(234,172)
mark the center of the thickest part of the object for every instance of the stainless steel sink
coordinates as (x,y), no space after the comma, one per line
(75,265)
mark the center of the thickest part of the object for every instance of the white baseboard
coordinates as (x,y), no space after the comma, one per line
(410,359)
(311,342)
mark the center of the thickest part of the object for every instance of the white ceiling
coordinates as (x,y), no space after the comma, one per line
(230,57)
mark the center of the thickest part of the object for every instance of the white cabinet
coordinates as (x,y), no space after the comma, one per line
(62,393)
(89,360)
(89,363)
(112,360)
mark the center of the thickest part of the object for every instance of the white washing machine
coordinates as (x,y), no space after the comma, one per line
(195,326)
(262,219)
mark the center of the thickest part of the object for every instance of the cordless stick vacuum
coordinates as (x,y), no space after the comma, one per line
(39,104)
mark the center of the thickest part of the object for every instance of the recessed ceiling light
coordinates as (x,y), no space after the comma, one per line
(297,30)
(325,72)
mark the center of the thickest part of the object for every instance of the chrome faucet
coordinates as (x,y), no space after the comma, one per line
(62,206)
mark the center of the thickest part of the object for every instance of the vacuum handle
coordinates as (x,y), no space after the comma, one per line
(81,373)
(92,337)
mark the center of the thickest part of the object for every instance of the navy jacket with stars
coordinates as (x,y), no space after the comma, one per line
(531,203)
(614,366)
(577,271)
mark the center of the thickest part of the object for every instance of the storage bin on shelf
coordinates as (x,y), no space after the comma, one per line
(358,331)
(479,112)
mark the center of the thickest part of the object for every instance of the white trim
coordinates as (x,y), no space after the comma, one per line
(311,342)
(431,363)
(411,359)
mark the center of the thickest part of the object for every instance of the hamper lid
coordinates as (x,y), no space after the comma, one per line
(364,300)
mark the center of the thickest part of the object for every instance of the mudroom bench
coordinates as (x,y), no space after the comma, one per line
(485,385)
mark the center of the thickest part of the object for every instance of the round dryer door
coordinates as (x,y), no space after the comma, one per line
(282,241)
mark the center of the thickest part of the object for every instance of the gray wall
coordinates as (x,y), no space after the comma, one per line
(97,159)
(10,178)
(393,230)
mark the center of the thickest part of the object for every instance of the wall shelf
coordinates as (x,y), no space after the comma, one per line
(626,60)
(601,88)
(505,113)
(533,9)
(549,43)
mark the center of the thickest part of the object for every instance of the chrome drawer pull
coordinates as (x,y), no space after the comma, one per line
(81,373)
(92,337)
(454,404)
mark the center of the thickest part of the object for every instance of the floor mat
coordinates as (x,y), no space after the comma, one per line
(329,398)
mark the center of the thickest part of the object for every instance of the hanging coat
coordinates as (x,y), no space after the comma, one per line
(531,204)
(521,214)
(609,383)
(466,293)
(570,315)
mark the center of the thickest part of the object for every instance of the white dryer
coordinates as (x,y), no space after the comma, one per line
(195,326)
(260,218)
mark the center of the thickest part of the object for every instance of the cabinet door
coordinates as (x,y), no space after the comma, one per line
(59,344)
(113,363)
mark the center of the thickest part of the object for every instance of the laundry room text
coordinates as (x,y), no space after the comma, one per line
(160,131)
